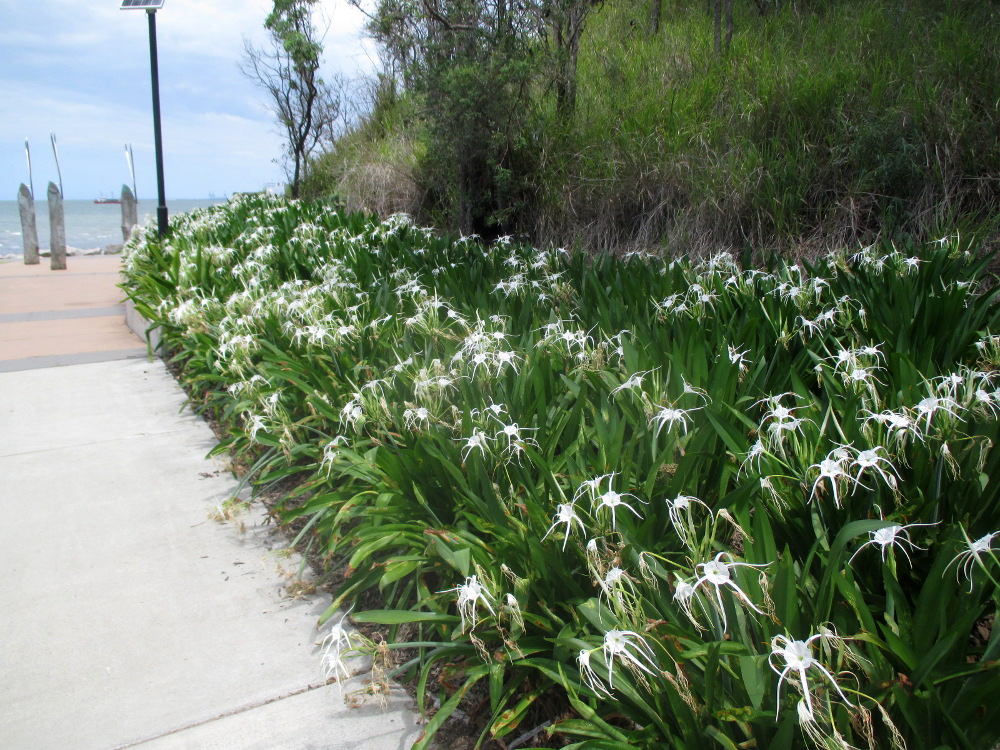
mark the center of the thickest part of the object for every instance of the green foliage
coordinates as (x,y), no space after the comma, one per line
(291,22)
(469,66)
(689,504)
(825,124)
(304,105)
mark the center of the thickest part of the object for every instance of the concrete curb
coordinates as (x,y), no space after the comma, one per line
(143,328)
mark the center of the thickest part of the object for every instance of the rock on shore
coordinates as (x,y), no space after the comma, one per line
(106,250)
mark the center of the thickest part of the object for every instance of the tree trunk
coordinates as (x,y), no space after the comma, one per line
(654,17)
(296,175)
(729,24)
(568,30)
(717,12)
(29,230)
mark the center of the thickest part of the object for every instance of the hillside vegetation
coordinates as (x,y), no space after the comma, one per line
(823,124)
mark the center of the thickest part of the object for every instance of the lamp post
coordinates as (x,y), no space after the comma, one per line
(151,6)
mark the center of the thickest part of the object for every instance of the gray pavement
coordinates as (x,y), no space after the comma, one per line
(129,618)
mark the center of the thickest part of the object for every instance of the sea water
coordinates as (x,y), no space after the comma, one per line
(89,225)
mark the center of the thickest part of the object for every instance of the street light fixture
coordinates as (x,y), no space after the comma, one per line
(151,6)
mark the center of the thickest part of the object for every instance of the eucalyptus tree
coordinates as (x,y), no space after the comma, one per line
(306,107)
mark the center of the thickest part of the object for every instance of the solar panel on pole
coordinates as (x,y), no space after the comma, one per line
(151,6)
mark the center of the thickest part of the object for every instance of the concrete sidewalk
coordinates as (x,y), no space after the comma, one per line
(128,617)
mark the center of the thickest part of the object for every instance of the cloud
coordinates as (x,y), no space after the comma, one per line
(82,71)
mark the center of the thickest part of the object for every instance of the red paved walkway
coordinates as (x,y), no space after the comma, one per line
(50,318)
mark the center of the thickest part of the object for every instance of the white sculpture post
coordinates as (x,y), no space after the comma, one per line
(57,229)
(29,230)
(130,213)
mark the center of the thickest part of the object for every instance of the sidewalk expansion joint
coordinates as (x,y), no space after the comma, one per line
(225,715)
(80,312)
(60,274)
(43,361)
(95,443)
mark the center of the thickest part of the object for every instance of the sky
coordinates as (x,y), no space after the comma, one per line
(81,70)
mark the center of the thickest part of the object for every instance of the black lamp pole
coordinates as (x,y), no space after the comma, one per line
(161,208)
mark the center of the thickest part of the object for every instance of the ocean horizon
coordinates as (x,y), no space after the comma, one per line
(89,225)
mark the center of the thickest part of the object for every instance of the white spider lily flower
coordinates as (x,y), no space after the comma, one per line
(779,420)
(516,442)
(271,403)
(832,469)
(828,317)
(634,382)
(863,377)
(717,573)
(684,594)
(798,659)
(508,359)
(479,359)
(757,450)
(830,739)
(591,487)
(477,441)
(331,450)
(443,383)
(589,676)
(889,536)
(899,424)
(352,412)
(616,584)
(257,423)
(738,357)
(613,500)
(870,460)
(632,650)
(972,555)
(680,512)
(345,333)
(316,335)
(493,409)
(414,419)
(950,384)
(844,359)
(670,303)
(931,405)
(402,365)
(693,390)
(778,430)
(668,415)
(565,513)
(809,328)
(986,402)
(513,608)
(872,350)
(471,593)
(778,412)
(337,644)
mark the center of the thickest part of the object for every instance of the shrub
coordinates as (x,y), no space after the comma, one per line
(695,503)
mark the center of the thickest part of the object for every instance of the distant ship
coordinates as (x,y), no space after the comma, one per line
(103,201)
